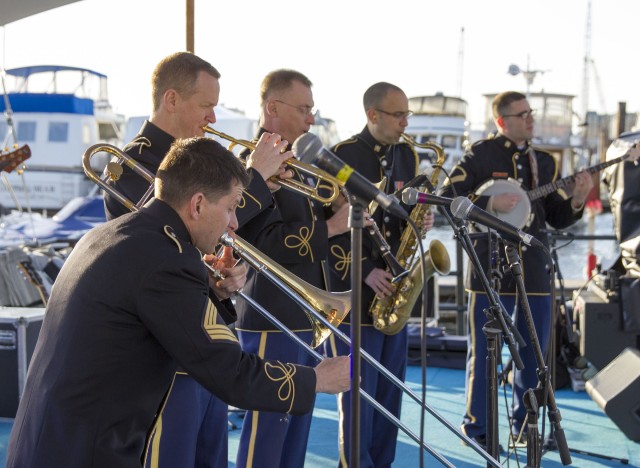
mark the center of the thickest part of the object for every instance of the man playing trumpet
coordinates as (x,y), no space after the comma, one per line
(185,92)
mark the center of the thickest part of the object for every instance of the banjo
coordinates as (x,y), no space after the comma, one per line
(521,215)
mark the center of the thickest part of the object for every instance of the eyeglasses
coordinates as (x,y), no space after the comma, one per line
(304,110)
(396,115)
(524,115)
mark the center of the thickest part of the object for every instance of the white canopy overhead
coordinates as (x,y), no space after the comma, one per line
(14,10)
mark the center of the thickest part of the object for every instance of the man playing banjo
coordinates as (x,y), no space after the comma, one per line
(509,155)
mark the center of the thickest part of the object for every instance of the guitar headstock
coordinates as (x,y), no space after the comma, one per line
(30,274)
(9,161)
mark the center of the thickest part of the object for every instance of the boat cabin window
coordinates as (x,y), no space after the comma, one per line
(450,141)
(58,131)
(26,131)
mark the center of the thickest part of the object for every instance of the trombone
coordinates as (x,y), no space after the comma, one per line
(333,305)
(328,321)
(325,181)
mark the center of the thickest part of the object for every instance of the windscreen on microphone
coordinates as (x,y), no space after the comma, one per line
(307,148)
(410,196)
(460,207)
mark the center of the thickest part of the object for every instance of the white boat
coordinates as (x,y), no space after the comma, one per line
(442,120)
(58,112)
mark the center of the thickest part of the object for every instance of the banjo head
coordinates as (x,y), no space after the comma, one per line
(517,217)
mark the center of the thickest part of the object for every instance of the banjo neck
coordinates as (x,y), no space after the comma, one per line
(565,182)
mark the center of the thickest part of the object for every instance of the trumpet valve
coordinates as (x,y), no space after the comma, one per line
(114,170)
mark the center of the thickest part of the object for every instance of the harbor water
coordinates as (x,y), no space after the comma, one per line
(573,254)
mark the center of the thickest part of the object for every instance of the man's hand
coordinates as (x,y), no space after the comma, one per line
(380,281)
(504,202)
(428,220)
(333,375)
(268,158)
(582,186)
(339,222)
(232,275)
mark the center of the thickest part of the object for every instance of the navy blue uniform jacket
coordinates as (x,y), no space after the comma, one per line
(129,306)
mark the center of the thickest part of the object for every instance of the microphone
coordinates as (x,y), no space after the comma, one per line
(412,196)
(308,148)
(462,208)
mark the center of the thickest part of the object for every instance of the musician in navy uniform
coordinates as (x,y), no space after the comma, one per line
(130,305)
(297,237)
(375,153)
(185,92)
(510,154)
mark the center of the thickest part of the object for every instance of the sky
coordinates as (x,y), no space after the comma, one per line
(457,47)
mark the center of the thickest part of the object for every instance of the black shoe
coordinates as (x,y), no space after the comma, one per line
(482,442)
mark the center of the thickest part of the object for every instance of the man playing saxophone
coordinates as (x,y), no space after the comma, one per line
(376,153)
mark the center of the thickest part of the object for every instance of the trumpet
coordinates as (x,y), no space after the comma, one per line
(325,181)
(314,304)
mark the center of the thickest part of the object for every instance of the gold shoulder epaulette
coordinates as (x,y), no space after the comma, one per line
(168,230)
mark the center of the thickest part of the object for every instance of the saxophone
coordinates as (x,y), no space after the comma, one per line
(391,313)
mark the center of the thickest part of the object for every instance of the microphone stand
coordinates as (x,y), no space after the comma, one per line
(543,391)
(356,224)
(498,323)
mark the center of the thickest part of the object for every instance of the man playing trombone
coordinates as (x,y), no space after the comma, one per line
(131,304)
(185,91)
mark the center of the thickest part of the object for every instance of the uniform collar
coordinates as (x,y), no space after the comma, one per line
(378,148)
(153,138)
(167,216)
(508,144)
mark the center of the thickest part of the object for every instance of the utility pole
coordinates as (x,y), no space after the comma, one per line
(190,16)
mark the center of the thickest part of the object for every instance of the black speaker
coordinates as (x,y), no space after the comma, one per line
(600,328)
(19,330)
(616,389)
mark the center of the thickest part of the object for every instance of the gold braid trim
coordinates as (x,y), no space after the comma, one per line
(168,230)
(282,373)
(458,178)
(300,242)
(141,142)
(216,331)
(243,200)
(343,260)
